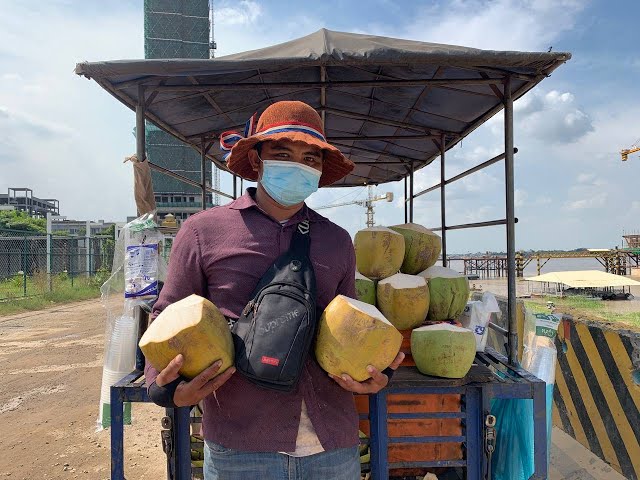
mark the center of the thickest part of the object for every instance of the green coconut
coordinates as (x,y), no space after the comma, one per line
(379,252)
(404,300)
(449,293)
(422,247)
(365,289)
(443,350)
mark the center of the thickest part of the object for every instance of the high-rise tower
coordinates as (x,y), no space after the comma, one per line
(177,29)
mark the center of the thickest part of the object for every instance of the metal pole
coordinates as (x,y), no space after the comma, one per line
(87,244)
(177,176)
(511,224)
(235,187)
(24,266)
(460,176)
(140,130)
(182,443)
(443,223)
(203,173)
(490,223)
(49,228)
(411,194)
(405,200)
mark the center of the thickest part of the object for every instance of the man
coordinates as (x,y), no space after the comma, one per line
(221,254)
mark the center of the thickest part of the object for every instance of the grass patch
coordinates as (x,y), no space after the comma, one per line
(592,309)
(63,290)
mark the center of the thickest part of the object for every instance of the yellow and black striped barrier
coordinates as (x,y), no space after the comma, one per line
(597,396)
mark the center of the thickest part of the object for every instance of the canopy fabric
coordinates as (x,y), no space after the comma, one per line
(387,103)
(585,279)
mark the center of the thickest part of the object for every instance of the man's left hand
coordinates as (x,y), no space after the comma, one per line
(376,383)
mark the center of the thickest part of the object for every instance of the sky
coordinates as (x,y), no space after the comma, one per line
(65,137)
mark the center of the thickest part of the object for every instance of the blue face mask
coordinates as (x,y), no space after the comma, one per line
(289,183)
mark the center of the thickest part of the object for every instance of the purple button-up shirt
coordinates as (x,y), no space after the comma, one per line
(221,254)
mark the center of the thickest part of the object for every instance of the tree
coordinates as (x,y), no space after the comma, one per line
(18,220)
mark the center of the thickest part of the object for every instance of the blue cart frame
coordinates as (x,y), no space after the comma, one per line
(490,378)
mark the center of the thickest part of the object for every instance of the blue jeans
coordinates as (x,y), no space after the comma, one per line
(222,463)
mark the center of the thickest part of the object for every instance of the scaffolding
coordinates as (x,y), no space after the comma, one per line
(178,30)
(632,240)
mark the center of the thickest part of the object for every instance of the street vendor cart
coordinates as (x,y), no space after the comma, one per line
(393,107)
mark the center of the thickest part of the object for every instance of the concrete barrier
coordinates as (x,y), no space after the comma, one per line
(597,394)
(596,399)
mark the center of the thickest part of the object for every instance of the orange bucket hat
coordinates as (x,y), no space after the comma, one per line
(293,120)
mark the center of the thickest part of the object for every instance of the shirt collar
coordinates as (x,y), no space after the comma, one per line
(248,200)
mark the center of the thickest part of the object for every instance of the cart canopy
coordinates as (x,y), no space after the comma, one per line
(387,103)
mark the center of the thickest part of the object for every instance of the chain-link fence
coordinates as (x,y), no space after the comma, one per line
(33,263)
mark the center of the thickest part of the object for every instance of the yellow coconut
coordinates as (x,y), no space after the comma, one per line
(353,334)
(404,300)
(379,252)
(193,327)
(422,247)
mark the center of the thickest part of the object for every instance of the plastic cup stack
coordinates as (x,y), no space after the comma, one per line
(119,361)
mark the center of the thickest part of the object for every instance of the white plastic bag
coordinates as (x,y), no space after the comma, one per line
(137,268)
(476,317)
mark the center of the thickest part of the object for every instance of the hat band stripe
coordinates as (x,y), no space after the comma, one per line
(293,128)
(229,139)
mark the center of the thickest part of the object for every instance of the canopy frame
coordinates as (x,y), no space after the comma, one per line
(405,85)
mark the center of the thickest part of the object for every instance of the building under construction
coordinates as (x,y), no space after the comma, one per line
(178,30)
(21,198)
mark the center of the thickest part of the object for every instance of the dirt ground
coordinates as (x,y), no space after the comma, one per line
(50,375)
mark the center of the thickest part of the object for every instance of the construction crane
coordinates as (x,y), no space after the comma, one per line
(368,203)
(628,151)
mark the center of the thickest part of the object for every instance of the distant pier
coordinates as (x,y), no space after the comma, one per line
(617,261)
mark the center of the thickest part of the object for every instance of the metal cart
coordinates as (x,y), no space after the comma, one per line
(392,106)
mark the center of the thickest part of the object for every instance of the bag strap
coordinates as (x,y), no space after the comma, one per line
(301,240)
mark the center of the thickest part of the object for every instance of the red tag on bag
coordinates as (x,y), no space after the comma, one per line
(270,361)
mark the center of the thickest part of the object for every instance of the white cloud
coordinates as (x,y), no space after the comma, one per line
(15,124)
(245,12)
(496,24)
(480,182)
(520,197)
(567,172)
(477,214)
(595,201)
(552,117)
(586,177)
(64,135)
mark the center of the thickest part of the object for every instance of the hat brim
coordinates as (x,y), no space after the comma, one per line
(335,165)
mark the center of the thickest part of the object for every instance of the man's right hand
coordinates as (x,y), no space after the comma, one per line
(191,392)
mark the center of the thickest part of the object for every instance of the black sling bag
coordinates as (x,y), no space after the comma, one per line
(273,335)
